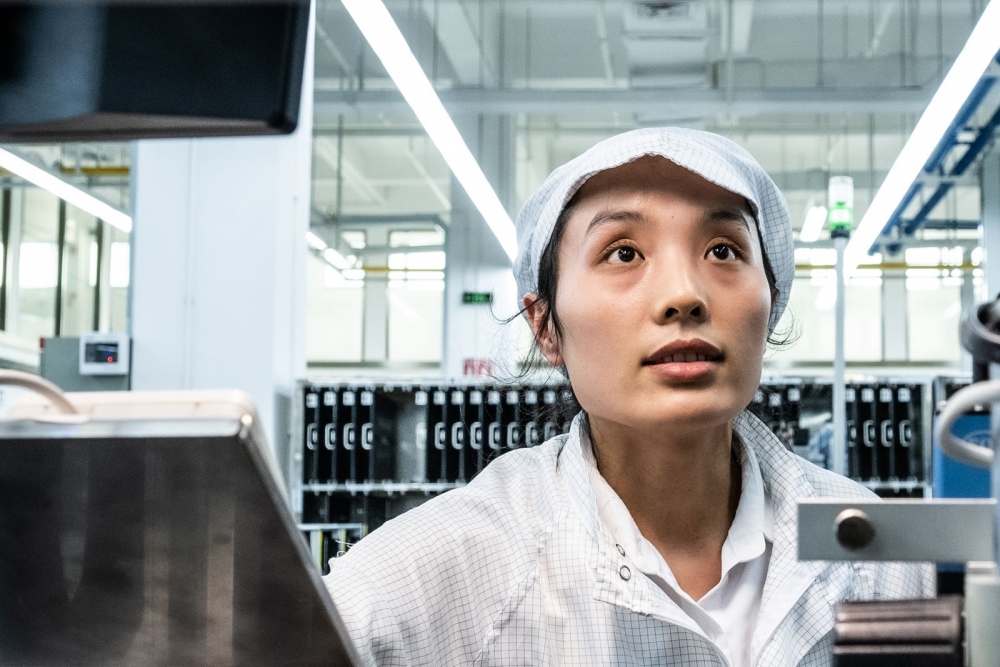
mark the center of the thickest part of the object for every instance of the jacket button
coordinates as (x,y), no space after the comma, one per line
(625,573)
(621,550)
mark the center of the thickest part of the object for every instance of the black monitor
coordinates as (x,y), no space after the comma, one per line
(91,70)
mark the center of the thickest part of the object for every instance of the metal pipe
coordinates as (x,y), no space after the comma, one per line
(340,163)
(819,45)
(729,60)
(746,101)
(5,239)
(602,38)
(838,449)
(892,266)
(99,255)
(60,259)
(40,386)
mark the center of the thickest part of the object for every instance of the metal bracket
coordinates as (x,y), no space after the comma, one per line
(942,531)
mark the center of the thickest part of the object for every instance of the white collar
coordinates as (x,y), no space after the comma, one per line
(751,526)
(788,579)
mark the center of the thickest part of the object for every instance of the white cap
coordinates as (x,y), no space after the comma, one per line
(711,156)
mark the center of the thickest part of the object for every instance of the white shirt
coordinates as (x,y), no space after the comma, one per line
(727,614)
(516,569)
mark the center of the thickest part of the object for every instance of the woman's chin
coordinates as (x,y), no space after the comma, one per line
(683,412)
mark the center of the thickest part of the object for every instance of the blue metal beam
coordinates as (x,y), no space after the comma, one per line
(915,188)
(978,145)
(964,225)
(925,210)
(961,119)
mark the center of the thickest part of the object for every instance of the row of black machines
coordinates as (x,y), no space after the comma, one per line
(363,453)
(888,424)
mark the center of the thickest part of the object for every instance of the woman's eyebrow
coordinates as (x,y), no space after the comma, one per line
(615,215)
(727,214)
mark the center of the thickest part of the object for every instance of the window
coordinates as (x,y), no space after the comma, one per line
(416,298)
(934,307)
(80,271)
(334,314)
(811,312)
(38,264)
(118,278)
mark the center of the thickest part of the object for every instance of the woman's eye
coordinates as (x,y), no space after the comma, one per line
(723,252)
(622,255)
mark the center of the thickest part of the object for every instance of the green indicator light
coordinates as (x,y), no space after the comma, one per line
(841,218)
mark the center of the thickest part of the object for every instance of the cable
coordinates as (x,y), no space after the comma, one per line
(39,386)
(980,393)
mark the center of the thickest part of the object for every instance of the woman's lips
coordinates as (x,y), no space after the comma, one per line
(684,371)
(692,360)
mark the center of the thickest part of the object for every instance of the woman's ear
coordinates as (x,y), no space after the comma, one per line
(542,328)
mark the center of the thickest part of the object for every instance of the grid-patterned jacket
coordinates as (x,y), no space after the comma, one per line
(516,569)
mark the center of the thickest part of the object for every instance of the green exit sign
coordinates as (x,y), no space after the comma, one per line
(477,297)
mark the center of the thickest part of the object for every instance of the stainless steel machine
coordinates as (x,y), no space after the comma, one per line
(152,529)
(928,633)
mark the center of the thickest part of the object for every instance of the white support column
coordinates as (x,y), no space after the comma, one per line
(218,266)
(375,345)
(968,300)
(476,262)
(990,229)
(838,452)
(13,276)
(895,341)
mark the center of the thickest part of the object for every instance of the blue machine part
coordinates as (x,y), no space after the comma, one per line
(958,480)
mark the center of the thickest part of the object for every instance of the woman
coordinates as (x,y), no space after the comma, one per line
(661,530)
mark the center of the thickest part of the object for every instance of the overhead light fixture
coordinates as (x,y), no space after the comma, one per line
(815,219)
(336,260)
(965,73)
(63,190)
(390,46)
(315,242)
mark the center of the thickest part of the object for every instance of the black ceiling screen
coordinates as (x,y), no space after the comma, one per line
(116,71)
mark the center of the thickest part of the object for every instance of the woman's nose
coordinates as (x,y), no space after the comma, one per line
(679,294)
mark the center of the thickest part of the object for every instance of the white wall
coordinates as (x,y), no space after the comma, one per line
(218,265)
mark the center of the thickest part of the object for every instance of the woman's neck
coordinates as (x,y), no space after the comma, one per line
(681,487)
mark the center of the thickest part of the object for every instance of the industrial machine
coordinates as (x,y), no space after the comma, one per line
(152,528)
(365,452)
(927,633)
(96,361)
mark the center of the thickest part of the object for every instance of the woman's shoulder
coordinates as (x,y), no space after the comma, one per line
(829,484)
(781,467)
(518,491)
(440,573)
(495,521)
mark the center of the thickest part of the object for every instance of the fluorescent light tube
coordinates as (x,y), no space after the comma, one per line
(387,42)
(336,260)
(968,68)
(315,241)
(815,219)
(63,190)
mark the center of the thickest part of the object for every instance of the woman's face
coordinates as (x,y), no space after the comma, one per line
(662,297)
